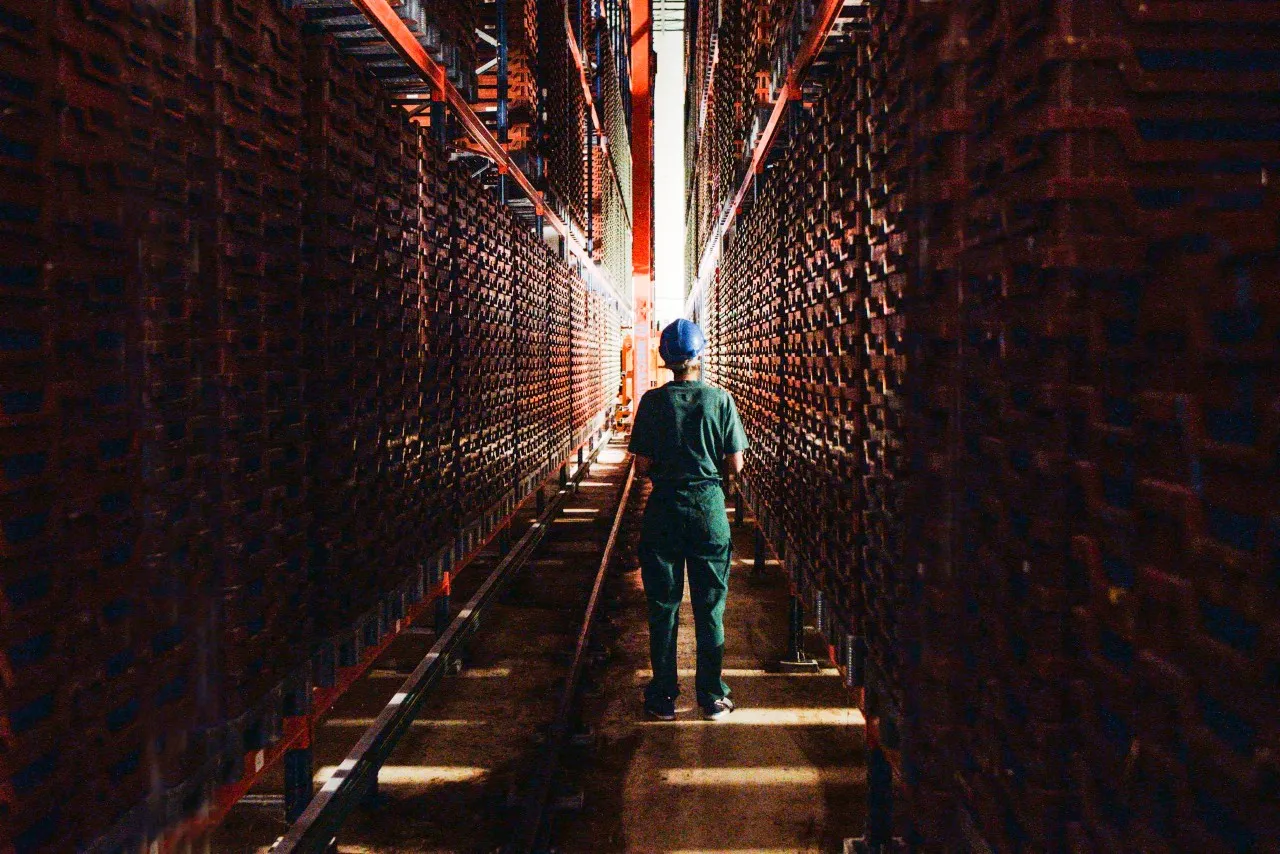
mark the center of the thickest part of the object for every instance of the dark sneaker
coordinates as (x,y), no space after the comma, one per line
(718,711)
(661,710)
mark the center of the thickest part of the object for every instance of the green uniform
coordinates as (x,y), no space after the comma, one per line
(686,429)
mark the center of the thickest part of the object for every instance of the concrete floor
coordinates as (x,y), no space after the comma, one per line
(784,774)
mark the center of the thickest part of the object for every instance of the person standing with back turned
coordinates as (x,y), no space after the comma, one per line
(688,439)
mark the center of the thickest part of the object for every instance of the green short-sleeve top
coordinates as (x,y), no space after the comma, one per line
(686,429)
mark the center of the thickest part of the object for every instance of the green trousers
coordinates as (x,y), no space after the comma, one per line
(686,528)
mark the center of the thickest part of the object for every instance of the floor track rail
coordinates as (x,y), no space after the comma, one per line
(532,823)
(314,831)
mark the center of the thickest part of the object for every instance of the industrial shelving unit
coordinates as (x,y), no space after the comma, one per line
(279,272)
(1001,339)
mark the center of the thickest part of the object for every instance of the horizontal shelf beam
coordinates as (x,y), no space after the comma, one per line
(576,51)
(382,16)
(792,87)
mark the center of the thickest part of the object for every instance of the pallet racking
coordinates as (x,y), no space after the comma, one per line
(274,340)
(975,311)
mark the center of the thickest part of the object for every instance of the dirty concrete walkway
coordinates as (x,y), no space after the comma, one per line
(785,772)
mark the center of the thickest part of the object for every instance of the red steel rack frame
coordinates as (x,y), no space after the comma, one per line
(382,16)
(814,40)
(299,730)
(578,61)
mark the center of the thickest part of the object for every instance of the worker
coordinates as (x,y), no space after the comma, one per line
(687,438)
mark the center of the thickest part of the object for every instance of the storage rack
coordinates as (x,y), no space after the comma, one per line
(992,305)
(252,310)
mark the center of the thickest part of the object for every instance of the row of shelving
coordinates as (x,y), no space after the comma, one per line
(767,49)
(510,28)
(266,367)
(549,183)
(587,132)
(1001,320)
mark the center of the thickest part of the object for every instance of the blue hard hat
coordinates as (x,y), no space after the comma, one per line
(681,341)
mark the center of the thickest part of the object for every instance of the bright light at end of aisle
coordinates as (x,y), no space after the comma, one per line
(668,178)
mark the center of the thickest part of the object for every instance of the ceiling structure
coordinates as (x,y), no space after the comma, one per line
(668,16)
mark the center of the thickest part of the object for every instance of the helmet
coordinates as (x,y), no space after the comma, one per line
(681,342)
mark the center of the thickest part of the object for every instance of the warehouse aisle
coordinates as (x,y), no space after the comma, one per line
(784,773)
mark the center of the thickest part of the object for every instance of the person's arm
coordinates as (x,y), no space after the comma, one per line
(735,443)
(642,465)
(730,467)
(733,464)
(642,445)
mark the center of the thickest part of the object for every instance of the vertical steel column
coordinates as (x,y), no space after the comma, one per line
(439,119)
(795,633)
(879,799)
(298,783)
(640,32)
(503,133)
(440,130)
(442,604)
(298,760)
(797,658)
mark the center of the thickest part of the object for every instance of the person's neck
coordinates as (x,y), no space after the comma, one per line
(688,376)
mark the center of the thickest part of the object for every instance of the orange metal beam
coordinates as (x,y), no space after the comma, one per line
(578,61)
(643,67)
(298,732)
(791,88)
(382,16)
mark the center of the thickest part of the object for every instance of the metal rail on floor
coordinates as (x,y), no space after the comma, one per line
(532,823)
(342,793)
